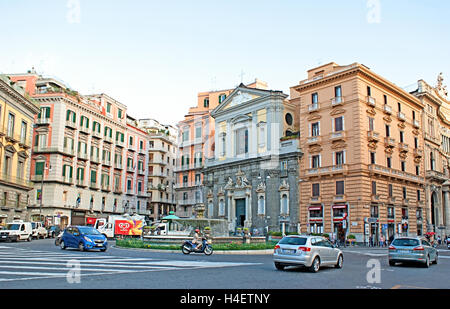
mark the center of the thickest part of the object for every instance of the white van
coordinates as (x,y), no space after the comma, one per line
(39,231)
(17,230)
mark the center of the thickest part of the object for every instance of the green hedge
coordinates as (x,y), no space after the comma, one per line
(134,243)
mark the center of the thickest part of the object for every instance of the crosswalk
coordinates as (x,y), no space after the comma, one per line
(25,264)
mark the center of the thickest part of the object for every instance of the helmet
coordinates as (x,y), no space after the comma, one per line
(197,230)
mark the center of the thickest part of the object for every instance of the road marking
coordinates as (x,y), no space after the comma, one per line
(398,286)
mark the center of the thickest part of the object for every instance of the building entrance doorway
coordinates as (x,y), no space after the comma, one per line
(240,213)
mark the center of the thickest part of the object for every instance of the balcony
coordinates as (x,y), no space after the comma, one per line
(403,147)
(69,151)
(339,198)
(130,169)
(96,134)
(315,200)
(95,159)
(416,124)
(106,187)
(337,101)
(373,136)
(43,121)
(141,172)
(371,101)
(118,190)
(82,156)
(188,184)
(19,181)
(329,170)
(375,198)
(80,183)
(106,162)
(108,139)
(142,151)
(314,140)
(187,202)
(335,136)
(93,185)
(389,142)
(71,124)
(118,166)
(391,200)
(390,172)
(435,175)
(68,180)
(157,161)
(418,153)
(158,148)
(85,130)
(12,138)
(401,116)
(120,143)
(387,109)
(313,107)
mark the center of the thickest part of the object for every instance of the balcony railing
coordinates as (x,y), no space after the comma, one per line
(403,147)
(71,124)
(314,140)
(108,139)
(96,134)
(82,156)
(69,151)
(390,172)
(373,136)
(371,101)
(188,184)
(389,142)
(313,107)
(418,153)
(337,101)
(16,180)
(85,130)
(387,109)
(337,135)
(42,121)
(416,123)
(401,116)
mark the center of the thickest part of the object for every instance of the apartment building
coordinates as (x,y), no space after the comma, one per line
(75,140)
(363,168)
(436,153)
(17,114)
(162,156)
(196,143)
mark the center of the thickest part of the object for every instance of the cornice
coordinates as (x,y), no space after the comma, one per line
(11,92)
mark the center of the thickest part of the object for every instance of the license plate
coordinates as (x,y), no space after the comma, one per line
(3,236)
(288,251)
(99,245)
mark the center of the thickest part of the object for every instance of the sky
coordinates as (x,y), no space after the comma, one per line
(155,56)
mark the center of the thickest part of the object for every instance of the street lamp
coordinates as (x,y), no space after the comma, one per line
(46,167)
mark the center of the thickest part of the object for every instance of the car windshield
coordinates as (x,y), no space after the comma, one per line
(296,241)
(406,242)
(87,230)
(13,227)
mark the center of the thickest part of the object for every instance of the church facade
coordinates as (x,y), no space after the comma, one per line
(252,181)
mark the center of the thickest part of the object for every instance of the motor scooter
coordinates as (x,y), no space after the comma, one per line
(189,247)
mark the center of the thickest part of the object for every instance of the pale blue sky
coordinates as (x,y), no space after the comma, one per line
(154,56)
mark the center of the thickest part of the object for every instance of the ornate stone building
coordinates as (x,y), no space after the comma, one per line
(252,179)
(436,133)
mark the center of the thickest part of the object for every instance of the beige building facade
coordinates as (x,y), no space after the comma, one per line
(363,170)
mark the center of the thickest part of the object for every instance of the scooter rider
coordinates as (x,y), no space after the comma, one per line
(197,240)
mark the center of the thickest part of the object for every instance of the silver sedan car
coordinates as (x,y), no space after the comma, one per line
(412,249)
(312,252)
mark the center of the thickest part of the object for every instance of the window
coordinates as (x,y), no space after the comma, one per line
(119,113)
(418,195)
(284,165)
(340,187)
(198,132)
(403,165)
(404,193)
(399,107)
(185,135)
(222,97)
(284,205)
(372,157)
(369,92)
(413,115)
(93,177)
(390,212)
(315,98)
(23,133)
(432,161)
(315,129)
(289,119)
(417,170)
(338,124)
(338,93)
(44,113)
(416,142)
(339,158)
(39,169)
(315,161)
(71,116)
(261,205)
(108,108)
(385,99)
(131,141)
(389,162)
(402,136)
(390,190)
(241,141)
(315,189)
(371,124)
(206,102)
(11,119)
(221,208)
(374,188)
(388,131)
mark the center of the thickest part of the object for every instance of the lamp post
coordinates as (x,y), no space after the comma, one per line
(46,167)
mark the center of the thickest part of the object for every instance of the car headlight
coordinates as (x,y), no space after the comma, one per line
(88,239)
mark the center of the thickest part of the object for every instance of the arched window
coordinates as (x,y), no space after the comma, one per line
(261,205)
(284,205)
(206,102)
(210,209)
(221,208)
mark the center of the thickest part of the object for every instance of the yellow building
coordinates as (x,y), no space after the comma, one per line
(16,126)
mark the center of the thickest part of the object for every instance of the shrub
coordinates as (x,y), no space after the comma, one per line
(351,237)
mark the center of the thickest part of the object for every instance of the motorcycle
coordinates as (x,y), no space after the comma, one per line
(58,238)
(189,247)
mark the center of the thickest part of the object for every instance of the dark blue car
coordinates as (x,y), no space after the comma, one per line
(83,238)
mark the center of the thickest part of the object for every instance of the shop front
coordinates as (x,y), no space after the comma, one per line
(340,215)
(315,219)
(390,223)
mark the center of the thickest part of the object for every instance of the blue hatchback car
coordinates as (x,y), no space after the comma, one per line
(83,238)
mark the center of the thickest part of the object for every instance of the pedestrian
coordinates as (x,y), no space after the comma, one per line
(439,239)
(381,241)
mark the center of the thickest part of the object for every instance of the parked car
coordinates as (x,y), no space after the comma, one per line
(412,249)
(17,230)
(448,242)
(83,238)
(39,230)
(53,231)
(312,252)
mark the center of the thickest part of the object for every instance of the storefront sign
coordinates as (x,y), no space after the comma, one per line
(366,228)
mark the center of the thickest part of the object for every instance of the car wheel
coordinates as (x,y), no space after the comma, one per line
(81,246)
(103,250)
(315,265)
(62,245)
(30,238)
(391,263)
(340,261)
(436,259)
(279,266)
(427,262)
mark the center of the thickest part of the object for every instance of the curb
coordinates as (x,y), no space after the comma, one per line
(231,252)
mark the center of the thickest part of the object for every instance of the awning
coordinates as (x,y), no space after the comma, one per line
(339,206)
(315,208)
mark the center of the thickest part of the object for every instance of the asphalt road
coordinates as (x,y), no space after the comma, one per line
(41,265)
